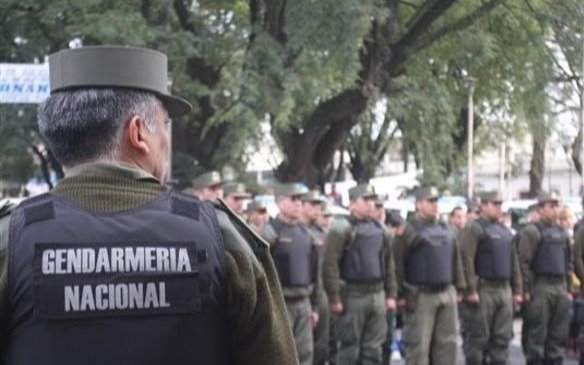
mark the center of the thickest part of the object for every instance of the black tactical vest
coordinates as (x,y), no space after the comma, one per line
(363,261)
(293,255)
(136,287)
(494,252)
(432,261)
(551,258)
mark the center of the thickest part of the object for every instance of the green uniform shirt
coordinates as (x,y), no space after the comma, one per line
(469,240)
(579,254)
(260,333)
(404,244)
(337,241)
(529,238)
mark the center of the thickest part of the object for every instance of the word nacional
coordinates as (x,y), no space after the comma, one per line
(104,266)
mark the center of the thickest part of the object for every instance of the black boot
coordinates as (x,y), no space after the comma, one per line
(535,362)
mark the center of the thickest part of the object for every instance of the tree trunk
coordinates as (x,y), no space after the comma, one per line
(577,151)
(536,172)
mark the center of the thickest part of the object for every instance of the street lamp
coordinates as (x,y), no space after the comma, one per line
(470,84)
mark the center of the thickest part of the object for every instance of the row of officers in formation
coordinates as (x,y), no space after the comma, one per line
(343,281)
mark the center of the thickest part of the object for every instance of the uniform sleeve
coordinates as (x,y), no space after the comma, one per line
(578,252)
(3,284)
(335,245)
(459,278)
(469,242)
(314,296)
(260,332)
(390,280)
(516,279)
(528,243)
(569,265)
(401,248)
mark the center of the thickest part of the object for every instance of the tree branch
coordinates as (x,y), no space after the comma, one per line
(458,25)
(417,26)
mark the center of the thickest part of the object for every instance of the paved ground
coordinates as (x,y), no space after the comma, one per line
(516,355)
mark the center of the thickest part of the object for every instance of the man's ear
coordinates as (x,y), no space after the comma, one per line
(136,134)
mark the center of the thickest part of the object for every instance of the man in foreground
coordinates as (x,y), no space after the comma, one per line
(111,256)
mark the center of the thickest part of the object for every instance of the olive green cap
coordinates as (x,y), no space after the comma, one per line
(327,211)
(380,200)
(545,197)
(236,190)
(256,206)
(115,67)
(291,189)
(426,193)
(207,179)
(314,196)
(362,191)
(491,196)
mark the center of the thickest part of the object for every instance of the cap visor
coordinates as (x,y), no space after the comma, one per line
(176,107)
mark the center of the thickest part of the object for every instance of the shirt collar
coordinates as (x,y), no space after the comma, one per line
(111,169)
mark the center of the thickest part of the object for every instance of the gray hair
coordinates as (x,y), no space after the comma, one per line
(87,124)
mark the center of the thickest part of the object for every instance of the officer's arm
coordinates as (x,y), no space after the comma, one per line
(569,265)
(401,249)
(516,283)
(260,332)
(459,278)
(578,252)
(314,297)
(528,243)
(335,245)
(390,280)
(3,284)
(469,242)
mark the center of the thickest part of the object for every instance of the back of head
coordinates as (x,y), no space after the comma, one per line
(83,125)
(95,91)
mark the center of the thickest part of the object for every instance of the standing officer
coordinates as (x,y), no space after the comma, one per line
(257,215)
(312,204)
(359,278)
(292,247)
(428,268)
(579,271)
(544,256)
(111,256)
(493,274)
(235,195)
(209,186)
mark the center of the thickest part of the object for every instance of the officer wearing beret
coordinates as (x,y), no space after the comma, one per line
(234,195)
(312,204)
(545,259)
(293,249)
(111,256)
(428,270)
(209,186)
(359,277)
(493,284)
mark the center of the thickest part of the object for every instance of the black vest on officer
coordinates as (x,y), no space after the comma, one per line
(494,252)
(431,262)
(551,256)
(136,287)
(293,255)
(363,260)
